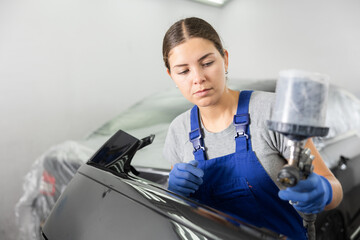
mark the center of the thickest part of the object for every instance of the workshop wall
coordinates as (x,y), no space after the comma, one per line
(264,37)
(68,66)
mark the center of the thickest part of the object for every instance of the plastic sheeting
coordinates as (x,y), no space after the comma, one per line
(44,183)
(342,117)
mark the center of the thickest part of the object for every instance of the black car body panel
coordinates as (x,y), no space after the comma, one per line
(98,204)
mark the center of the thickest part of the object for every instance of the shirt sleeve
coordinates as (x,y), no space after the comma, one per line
(169,153)
(174,145)
(279,140)
(280,143)
(261,107)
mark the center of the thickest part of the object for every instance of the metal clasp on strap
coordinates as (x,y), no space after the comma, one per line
(196,139)
(241,134)
(241,121)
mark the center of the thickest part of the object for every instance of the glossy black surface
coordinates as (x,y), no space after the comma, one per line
(120,147)
(100,205)
(104,201)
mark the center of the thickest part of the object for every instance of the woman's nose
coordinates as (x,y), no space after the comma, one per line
(199,76)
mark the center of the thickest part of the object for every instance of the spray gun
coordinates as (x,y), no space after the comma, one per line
(299,113)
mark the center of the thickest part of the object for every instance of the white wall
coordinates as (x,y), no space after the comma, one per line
(264,37)
(68,66)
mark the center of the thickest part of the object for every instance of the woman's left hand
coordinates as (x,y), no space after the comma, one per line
(310,195)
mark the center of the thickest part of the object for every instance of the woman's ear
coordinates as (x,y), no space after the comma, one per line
(168,72)
(226,59)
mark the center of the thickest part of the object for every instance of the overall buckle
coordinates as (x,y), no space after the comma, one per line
(196,139)
(241,121)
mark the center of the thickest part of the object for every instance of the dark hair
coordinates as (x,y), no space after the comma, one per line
(186,29)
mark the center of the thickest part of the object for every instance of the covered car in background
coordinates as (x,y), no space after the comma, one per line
(340,150)
(43,184)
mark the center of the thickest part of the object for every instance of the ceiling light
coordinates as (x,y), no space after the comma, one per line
(216,3)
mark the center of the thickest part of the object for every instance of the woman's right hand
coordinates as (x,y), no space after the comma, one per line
(185,178)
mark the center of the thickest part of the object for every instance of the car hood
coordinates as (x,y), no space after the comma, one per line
(101,204)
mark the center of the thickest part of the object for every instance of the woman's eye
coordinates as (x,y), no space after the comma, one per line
(184,72)
(208,64)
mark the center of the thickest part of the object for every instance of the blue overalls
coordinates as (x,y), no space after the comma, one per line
(239,185)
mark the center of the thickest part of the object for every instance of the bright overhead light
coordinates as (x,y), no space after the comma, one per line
(216,3)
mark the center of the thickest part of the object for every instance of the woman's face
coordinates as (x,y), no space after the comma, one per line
(198,70)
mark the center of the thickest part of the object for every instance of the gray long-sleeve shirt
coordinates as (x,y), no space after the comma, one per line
(268,146)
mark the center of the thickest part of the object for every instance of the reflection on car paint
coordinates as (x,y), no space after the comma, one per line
(186,233)
(157,198)
(166,196)
(356,232)
(146,193)
(153,195)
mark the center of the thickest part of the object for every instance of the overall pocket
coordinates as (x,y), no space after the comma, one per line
(235,198)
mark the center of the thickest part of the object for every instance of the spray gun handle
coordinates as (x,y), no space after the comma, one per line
(299,166)
(289,175)
(305,163)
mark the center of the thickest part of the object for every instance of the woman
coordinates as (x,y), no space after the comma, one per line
(236,157)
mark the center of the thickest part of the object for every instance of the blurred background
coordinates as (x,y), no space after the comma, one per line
(66,66)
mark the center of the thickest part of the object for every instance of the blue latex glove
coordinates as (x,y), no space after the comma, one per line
(185,178)
(310,195)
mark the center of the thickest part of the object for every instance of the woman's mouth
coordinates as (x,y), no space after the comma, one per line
(202,92)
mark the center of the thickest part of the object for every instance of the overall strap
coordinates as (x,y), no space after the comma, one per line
(242,121)
(195,135)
